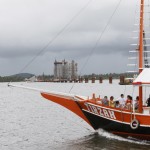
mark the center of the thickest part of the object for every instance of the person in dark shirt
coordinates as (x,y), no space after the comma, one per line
(105,101)
(148,102)
(136,105)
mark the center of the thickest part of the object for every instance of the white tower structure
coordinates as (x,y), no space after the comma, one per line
(65,70)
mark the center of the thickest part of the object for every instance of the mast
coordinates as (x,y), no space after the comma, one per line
(141,53)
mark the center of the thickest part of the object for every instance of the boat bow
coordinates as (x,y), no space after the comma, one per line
(68,101)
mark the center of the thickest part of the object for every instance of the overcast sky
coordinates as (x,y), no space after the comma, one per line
(27,26)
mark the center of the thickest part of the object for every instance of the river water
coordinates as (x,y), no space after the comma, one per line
(29,122)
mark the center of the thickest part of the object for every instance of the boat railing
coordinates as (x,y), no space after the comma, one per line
(146,110)
(98,101)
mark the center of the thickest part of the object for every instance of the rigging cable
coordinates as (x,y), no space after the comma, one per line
(136,54)
(98,40)
(57,35)
(76,123)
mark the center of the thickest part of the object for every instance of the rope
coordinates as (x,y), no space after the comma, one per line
(132,35)
(98,40)
(145,94)
(78,124)
(134,69)
(75,123)
(133,105)
(57,35)
(124,89)
(100,36)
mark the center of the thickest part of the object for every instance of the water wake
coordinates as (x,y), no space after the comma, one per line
(108,135)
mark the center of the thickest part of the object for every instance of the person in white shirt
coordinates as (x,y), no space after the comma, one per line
(122,100)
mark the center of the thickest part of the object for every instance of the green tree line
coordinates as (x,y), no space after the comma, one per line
(46,78)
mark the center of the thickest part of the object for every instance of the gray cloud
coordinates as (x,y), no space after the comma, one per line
(28,25)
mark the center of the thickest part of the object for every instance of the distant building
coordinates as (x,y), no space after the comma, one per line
(32,79)
(65,70)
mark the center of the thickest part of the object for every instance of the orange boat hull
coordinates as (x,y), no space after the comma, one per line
(66,102)
(113,120)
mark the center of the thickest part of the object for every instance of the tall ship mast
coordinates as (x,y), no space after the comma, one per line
(141,52)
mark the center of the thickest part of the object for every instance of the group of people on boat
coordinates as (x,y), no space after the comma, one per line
(121,102)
